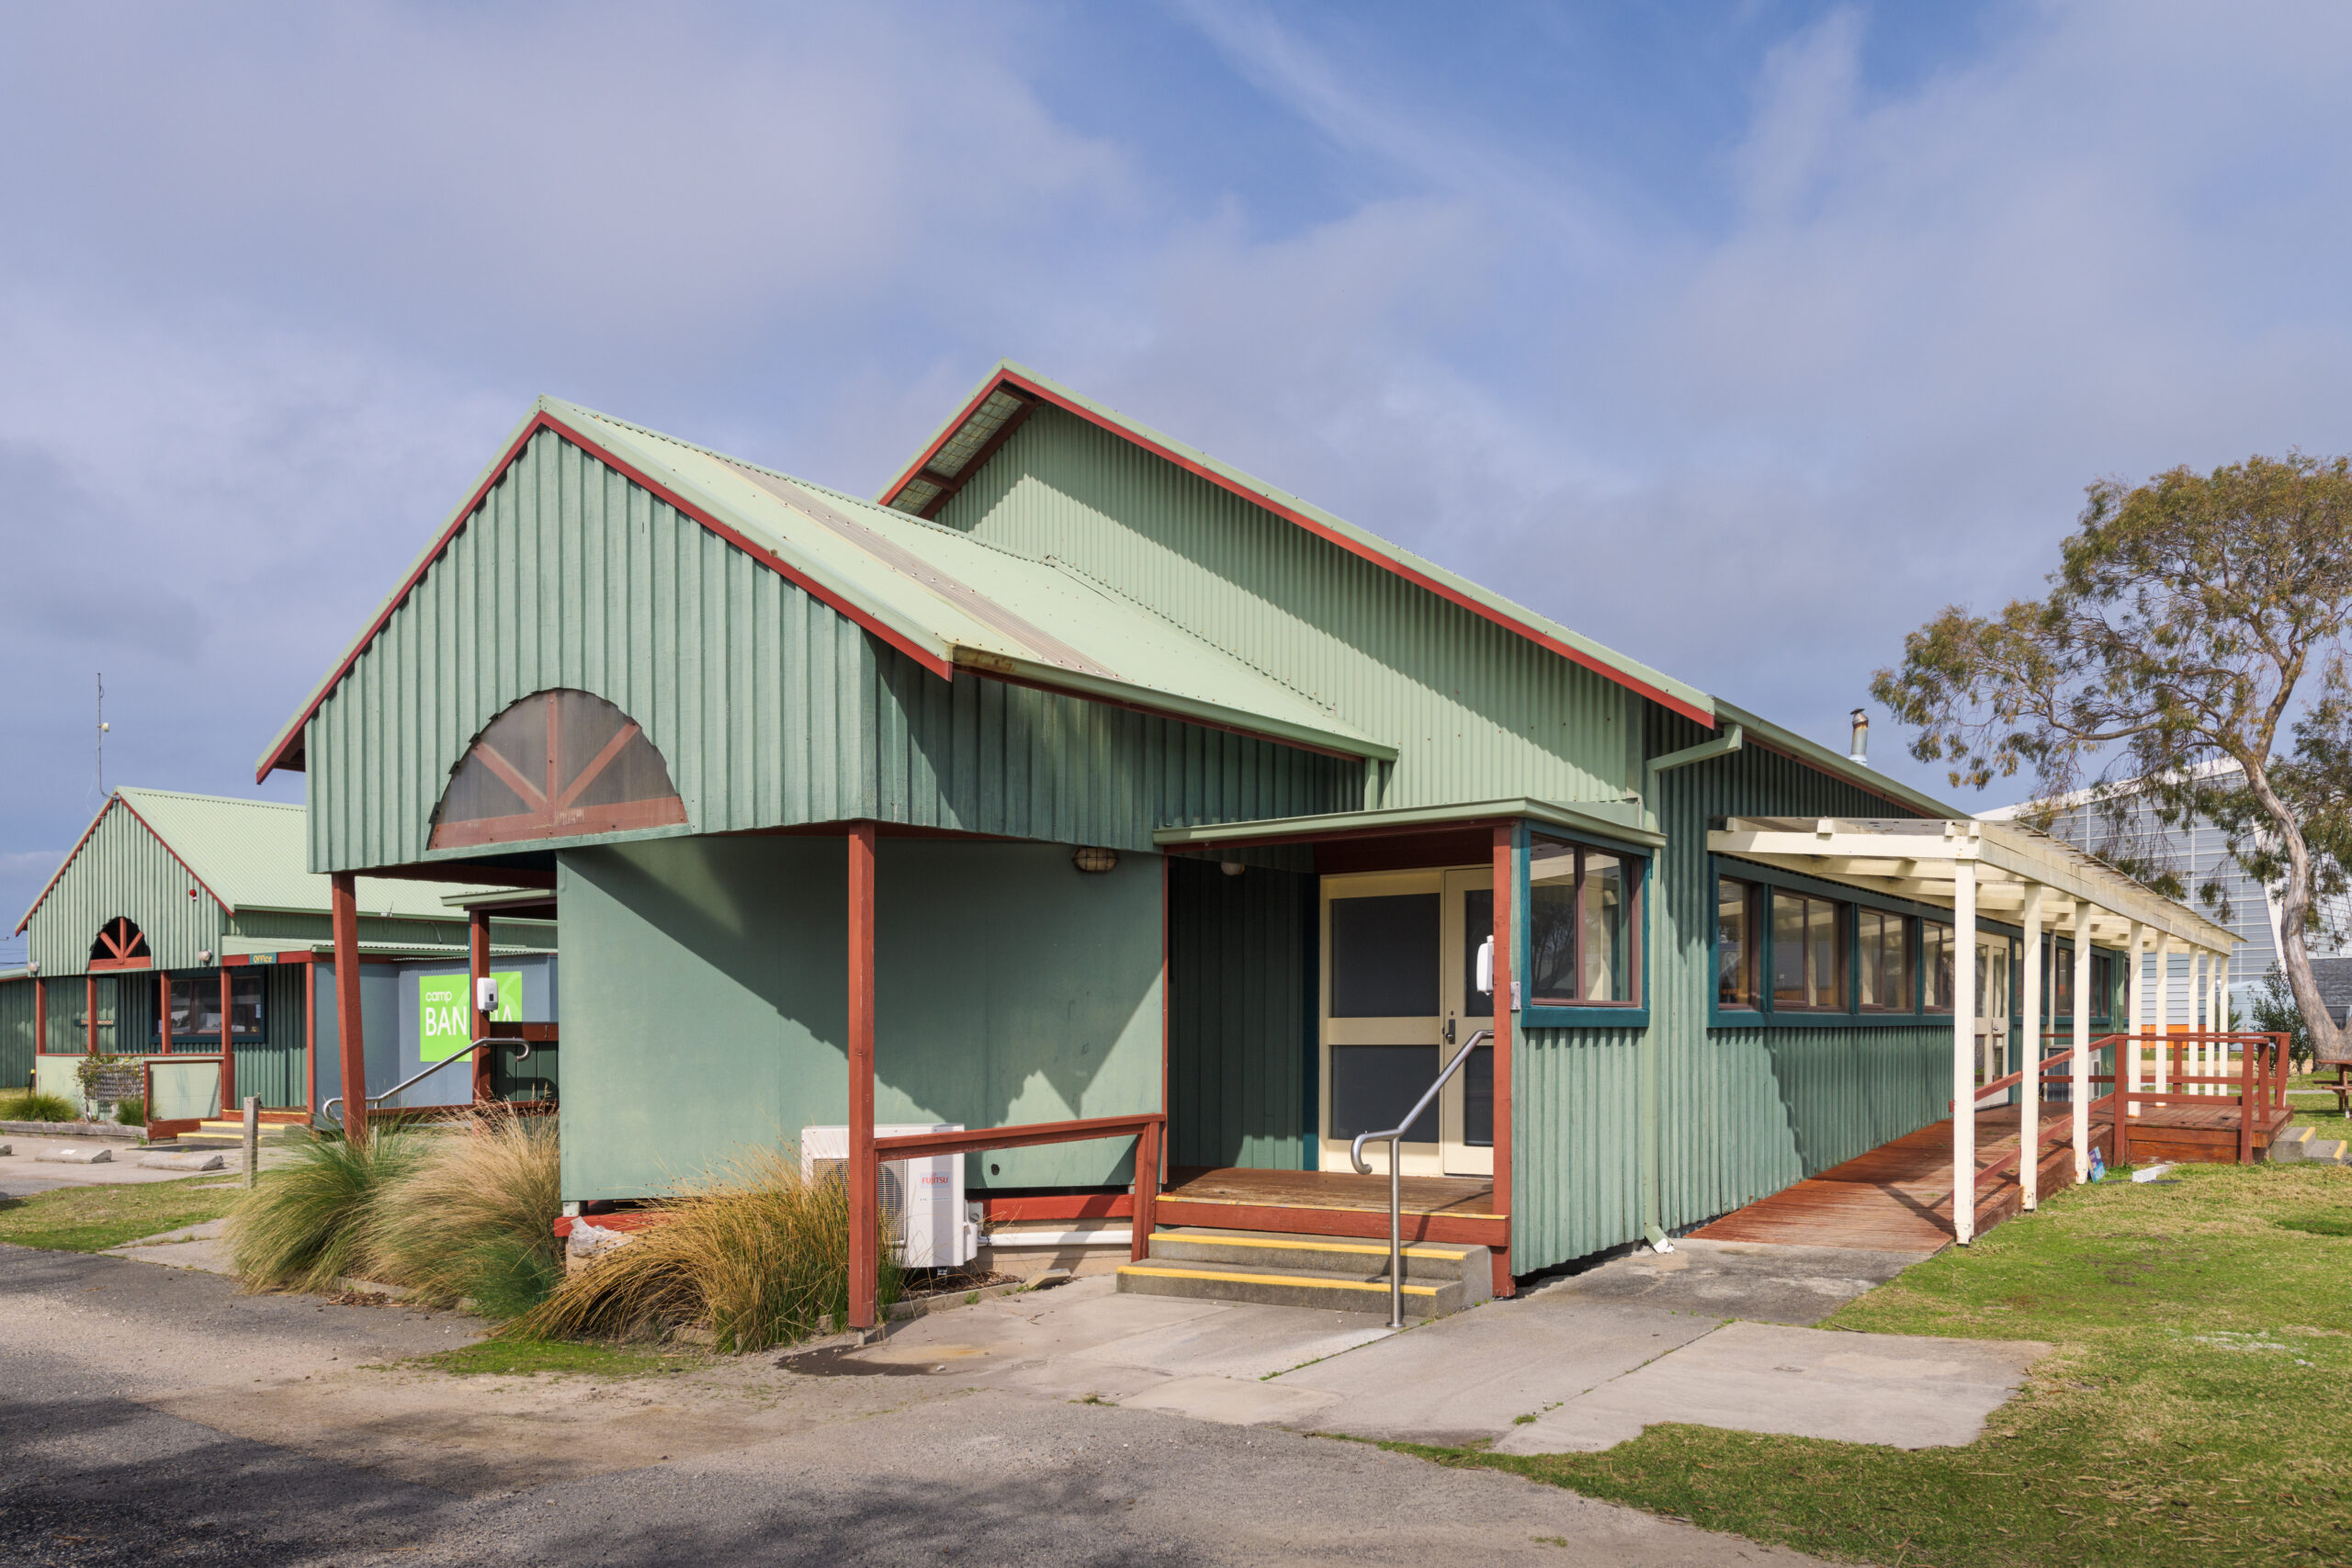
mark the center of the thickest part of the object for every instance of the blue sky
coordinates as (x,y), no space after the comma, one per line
(1741,336)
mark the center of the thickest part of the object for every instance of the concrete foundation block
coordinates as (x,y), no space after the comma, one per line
(198,1161)
(95,1154)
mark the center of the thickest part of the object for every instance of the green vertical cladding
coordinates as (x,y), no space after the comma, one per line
(276,1068)
(65,995)
(1746,1112)
(1742,1113)
(17,1007)
(1478,711)
(771,709)
(123,870)
(705,1014)
(1239,986)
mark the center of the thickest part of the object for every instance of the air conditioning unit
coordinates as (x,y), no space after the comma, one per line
(936,1229)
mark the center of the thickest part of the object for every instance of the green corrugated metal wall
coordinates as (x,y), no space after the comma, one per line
(772,709)
(1478,711)
(1742,1113)
(276,1066)
(122,869)
(17,1011)
(705,1001)
(1240,997)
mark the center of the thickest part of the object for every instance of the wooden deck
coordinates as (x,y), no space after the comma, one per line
(1898,1198)
(1323,1202)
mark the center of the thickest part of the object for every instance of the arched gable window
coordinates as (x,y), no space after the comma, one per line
(120,945)
(556,764)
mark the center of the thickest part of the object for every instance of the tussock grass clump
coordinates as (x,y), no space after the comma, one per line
(311,1223)
(474,1219)
(24,1105)
(130,1112)
(757,1253)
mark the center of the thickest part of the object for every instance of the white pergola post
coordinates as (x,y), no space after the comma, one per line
(2221,996)
(2029,1102)
(2081,1075)
(2136,993)
(2162,1023)
(1964,1051)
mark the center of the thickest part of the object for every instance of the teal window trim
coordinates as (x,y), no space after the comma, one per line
(1584,1015)
(1765,1016)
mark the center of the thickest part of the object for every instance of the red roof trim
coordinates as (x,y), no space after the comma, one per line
(59,876)
(1353,546)
(545,421)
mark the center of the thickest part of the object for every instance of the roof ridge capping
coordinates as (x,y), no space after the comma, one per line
(1030,385)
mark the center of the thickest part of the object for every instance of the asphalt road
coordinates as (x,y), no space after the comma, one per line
(770,1467)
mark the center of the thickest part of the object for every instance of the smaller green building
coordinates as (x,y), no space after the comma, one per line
(175,913)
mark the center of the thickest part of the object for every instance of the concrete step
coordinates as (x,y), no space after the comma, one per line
(1425,1262)
(1331,1272)
(1274,1287)
(2331,1150)
(2291,1147)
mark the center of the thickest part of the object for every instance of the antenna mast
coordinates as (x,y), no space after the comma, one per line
(102,734)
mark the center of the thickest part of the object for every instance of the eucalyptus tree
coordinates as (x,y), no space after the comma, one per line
(2191,655)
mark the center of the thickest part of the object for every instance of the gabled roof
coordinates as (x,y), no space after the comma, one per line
(1009,393)
(248,854)
(944,600)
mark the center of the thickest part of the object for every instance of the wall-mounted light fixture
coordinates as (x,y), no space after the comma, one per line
(1231,867)
(1092,859)
(203,957)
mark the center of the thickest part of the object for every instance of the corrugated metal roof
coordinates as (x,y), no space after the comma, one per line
(944,598)
(967,434)
(252,854)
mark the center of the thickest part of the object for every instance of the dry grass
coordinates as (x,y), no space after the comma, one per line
(758,1254)
(474,1219)
(308,1224)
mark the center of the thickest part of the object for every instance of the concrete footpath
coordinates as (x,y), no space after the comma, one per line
(1581,1364)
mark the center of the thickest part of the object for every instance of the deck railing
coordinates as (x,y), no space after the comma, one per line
(2257,1091)
(1144,1127)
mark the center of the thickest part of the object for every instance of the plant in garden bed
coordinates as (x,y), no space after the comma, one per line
(474,1218)
(757,1254)
(29,1105)
(109,1079)
(310,1224)
(130,1112)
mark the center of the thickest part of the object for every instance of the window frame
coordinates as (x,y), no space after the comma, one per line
(1763,878)
(1640,866)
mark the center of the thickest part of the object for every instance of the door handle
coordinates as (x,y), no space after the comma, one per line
(1449,1031)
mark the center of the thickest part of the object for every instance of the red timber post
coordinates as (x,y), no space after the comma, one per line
(163,1010)
(311,1034)
(477,971)
(345,900)
(41,1022)
(89,1014)
(228,1047)
(865,1180)
(1505,890)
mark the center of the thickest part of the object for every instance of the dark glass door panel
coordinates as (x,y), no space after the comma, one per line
(1373,1086)
(1385,958)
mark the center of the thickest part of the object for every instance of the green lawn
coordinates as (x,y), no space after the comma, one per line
(91,1219)
(2190,1414)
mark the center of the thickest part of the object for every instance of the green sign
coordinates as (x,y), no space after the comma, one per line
(446,1004)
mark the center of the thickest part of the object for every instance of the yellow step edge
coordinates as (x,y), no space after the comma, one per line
(1363,1248)
(1224,1278)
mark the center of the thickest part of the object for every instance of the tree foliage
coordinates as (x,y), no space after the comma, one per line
(2191,657)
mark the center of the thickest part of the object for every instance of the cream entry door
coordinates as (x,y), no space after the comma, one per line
(1399,974)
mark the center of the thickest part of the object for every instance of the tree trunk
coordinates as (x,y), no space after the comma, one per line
(2330,1044)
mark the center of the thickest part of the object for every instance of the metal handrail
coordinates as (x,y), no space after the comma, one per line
(1395,1190)
(332,1107)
